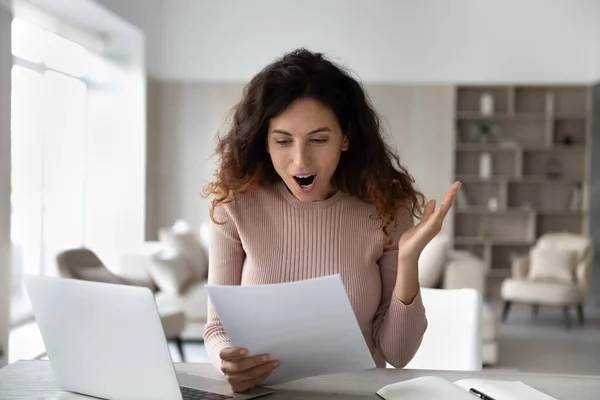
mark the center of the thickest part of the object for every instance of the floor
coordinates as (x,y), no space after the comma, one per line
(542,346)
(545,345)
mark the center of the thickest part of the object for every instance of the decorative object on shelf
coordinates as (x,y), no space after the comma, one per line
(484,131)
(576,197)
(554,168)
(462,201)
(485,165)
(566,139)
(486,104)
(493,204)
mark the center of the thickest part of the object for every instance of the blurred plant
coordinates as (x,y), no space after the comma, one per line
(484,131)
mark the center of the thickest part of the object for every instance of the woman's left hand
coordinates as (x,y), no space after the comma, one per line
(414,240)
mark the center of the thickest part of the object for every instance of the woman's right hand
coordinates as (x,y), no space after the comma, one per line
(243,372)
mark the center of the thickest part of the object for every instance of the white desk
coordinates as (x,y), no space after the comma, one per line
(34,380)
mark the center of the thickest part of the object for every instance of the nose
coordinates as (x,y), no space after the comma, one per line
(302,156)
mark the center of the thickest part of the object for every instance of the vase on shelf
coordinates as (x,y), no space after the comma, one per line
(486,104)
(485,165)
(576,196)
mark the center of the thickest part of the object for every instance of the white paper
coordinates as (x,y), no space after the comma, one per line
(308,325)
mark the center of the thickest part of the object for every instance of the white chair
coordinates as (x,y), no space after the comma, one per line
(452,340)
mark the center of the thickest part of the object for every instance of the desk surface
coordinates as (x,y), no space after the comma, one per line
(33,379)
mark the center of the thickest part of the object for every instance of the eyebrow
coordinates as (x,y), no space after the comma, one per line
(323,129)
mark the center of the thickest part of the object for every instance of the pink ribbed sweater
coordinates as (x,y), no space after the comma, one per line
(272,237)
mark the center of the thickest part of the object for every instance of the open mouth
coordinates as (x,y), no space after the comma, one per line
(305,181)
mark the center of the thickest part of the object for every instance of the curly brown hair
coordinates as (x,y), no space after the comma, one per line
(368,170)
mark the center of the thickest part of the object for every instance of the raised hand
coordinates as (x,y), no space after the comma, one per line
(414,240)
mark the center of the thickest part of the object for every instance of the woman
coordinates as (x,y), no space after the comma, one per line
(307,187)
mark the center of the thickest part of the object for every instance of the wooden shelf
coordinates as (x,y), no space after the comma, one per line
(466,115)
(467,240)
(485,210)
(540,130)
(477,179)
(542,180)
(570,116)
(524,179)
(500,147)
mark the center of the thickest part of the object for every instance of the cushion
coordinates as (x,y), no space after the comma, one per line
(171,272)
(431,261)
(540,292)
(187,243)
(567,242)
(552,264)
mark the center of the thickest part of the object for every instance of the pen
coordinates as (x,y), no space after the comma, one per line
(482,396)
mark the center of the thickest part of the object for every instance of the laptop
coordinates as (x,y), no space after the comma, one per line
(106,340)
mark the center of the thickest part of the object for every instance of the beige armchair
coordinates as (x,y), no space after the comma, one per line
(553,281)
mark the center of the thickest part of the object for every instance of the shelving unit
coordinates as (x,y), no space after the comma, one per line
(540,170)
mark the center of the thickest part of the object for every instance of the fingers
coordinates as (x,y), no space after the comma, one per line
(438,215)
(249,378)
(449,199)
(232,353)
(244,364)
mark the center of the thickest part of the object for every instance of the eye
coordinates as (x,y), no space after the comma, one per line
(319,140)
(282,141)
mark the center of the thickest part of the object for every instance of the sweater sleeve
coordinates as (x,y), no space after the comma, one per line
(226,259)
(398,328)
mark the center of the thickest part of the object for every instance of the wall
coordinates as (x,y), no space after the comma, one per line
(184,118)
(5,265)
(429,41)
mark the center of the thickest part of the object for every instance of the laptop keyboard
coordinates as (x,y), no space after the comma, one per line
(195,394)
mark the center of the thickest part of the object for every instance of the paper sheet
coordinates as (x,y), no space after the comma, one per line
(309,326)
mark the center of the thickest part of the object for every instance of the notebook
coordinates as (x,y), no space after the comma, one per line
(433,387)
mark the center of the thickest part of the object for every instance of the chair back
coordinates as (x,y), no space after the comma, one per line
(581,244)
(84,264)
(453,339)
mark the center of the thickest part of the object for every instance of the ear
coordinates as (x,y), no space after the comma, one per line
(345,144)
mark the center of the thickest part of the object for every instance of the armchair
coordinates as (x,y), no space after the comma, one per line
(569,288)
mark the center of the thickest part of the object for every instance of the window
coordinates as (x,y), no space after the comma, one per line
(48,131)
